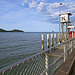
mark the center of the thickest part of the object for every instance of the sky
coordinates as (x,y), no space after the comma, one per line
(34,15)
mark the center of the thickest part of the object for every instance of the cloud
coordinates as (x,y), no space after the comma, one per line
(53,5)
(40,0)
(25,1)
(22,4)
(32,4)
(51,10)
(42,7)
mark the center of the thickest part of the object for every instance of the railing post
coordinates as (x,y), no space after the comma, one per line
(46,64)
(3,72)
(42,42)
(73,43)
(64,53)
(67,49)
(71,46)
(47,41)
(58,38)
(51,40)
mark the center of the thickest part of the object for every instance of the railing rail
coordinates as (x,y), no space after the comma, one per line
(39,63)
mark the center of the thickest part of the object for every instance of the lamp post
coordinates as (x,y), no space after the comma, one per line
(59,17)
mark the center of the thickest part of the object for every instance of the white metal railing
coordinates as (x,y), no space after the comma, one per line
(41,63)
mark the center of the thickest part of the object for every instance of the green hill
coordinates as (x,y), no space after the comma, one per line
(1,30)
(15,30)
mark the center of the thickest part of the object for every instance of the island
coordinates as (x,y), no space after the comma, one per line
(15,30)
(52,31)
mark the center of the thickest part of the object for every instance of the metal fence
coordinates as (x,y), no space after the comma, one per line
(44,63)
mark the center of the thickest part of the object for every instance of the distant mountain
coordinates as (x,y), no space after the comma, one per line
(1,30)
(15,30)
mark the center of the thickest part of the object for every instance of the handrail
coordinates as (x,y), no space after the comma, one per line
(33,56)
(52,63)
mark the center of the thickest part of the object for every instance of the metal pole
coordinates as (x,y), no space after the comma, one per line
(59,20)
(71,46)
(59,17)
(66,31)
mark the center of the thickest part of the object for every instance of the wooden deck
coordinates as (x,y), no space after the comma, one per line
(68,67)
(57,51)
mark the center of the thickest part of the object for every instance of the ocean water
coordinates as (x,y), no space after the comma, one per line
(15,46)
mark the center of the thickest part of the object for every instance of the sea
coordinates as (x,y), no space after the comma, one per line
(15,46)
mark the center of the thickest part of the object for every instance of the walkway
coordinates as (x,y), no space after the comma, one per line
(68,67)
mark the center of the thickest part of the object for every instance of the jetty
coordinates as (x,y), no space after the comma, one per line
(57,59)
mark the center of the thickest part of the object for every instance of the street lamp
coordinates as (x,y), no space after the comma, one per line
(59,16)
